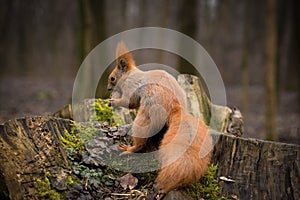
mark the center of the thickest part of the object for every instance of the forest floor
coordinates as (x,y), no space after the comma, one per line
(25,96)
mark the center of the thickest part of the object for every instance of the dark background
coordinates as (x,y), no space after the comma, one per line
(43,43)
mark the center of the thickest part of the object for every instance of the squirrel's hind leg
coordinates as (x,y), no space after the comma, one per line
(144,126)
(138,145)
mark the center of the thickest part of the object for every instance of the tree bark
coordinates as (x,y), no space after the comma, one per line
(259,169)
(219,118)
(30,147)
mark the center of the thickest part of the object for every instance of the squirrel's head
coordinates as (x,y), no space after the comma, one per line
(113,78)
(124,63)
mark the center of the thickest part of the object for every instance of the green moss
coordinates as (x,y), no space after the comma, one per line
(207,187)
(47,175)
(45,191)
(72,143)
(86,131)
(71,179)
(104,113)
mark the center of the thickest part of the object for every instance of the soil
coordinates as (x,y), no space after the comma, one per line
(27,96)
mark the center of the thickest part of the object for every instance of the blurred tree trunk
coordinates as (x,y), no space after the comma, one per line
(87,28)
(270,71)
(245,63)
(163,23)
(296,44)
(92,33)
(85,39)
(187,17)
(92,17)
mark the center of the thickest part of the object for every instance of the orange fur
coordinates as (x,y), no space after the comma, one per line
(123,52)
(193,156)
(161,102)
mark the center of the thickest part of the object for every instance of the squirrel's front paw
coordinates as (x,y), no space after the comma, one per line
(113,102)
(109,102)
(125,148)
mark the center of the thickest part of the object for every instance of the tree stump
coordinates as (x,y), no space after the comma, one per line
(258,169)
(220,118)
(30,147)
(247,168)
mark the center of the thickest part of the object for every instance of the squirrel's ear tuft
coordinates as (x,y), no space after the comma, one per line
(121,49)
(124,57)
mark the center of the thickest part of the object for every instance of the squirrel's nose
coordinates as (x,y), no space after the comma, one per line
(109,88)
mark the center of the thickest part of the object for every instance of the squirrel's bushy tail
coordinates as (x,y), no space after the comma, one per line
(185,153)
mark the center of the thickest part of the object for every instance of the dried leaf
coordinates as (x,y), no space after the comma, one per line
(128,181)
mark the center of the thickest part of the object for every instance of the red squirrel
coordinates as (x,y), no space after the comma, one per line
(185,149)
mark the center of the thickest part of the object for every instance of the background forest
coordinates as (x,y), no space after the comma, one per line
(255,44)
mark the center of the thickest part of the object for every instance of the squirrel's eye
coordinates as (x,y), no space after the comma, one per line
(112,78)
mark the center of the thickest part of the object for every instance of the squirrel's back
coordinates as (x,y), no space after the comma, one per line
(135,79)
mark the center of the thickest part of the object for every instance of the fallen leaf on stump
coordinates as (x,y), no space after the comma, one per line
(128,181)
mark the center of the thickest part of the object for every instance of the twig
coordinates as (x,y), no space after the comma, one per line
(136,194)
(141,194)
